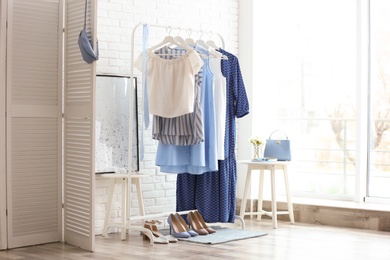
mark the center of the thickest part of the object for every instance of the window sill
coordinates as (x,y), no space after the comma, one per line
(371,206)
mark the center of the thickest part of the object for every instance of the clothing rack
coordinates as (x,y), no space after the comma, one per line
(128,225)
(166,27)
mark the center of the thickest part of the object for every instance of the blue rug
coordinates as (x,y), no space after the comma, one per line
(222,235)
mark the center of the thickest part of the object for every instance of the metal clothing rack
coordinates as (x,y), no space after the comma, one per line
(128,225)
(166,27)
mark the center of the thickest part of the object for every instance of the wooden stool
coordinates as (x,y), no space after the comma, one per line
(122,179)
(272,167)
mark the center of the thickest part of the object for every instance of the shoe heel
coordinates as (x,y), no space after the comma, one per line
(145,237)
(184,225)
(203,223)
(195,224)
(176,227)
(157,237)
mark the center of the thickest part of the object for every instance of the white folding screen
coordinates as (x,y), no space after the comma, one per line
(32,133)
(79,137)
(3,207)
(34,120)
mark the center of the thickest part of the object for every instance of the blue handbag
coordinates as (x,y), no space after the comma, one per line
(278,148)
(85,45)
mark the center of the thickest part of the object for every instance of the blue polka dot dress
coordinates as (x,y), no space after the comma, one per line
(214,193)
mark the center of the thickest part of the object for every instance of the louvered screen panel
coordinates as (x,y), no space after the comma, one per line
(78,176)
(79,129)
(3,196)
(79,76)
(34,122)
(35,52)
(34,176)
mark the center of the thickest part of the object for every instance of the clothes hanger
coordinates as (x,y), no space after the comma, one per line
(167,40)
(180,40)
(211,43)
(217,54)
(189,40)
(214,49)
(203,45)
(171,41)
(200,42)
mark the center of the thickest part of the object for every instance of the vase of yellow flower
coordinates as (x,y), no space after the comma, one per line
(257,144)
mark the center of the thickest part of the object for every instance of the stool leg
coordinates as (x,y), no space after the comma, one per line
(246,190)
(289,203)
(273,202)
(124,207)
(140,199)
(108,207)
(251,207)
(260,196)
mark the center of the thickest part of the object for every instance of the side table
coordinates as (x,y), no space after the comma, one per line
(272,167)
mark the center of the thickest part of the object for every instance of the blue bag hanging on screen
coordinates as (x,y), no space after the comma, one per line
(85,45)
(278,148)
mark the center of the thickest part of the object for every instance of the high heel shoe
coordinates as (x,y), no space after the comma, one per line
(178,229)
(156,233)
(195,224)
(204,225)
(184,225)
(158,237)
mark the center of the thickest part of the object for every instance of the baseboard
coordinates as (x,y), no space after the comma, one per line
(349,217)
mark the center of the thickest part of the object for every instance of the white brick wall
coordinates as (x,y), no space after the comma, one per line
(116,21)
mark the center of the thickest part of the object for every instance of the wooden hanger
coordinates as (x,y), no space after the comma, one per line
(212,44)
(189,40)
(171,41)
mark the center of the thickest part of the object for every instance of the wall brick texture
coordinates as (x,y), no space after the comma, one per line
(116,22)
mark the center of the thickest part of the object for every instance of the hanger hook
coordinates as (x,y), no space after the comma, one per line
(169,29)
(189,32)
(201,34)
(211,35)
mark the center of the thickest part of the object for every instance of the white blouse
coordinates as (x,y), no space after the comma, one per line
(171,83)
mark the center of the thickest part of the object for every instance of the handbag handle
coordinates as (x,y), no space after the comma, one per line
(278,131)
(85,13)
(85,28)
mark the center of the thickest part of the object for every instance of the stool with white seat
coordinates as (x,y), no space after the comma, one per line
(118,178)
(272,167)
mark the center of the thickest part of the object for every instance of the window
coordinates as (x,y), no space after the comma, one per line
(306,82)
(379,119)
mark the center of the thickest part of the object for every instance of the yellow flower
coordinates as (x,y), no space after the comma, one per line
(256,141)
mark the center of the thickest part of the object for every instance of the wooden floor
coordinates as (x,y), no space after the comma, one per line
(299,241)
